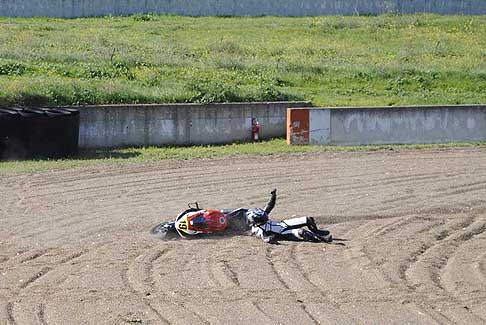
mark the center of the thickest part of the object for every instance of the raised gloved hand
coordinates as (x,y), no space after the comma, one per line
(274,192)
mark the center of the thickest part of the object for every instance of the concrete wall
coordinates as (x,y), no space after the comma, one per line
(392,125)
(113,126)
(84,8)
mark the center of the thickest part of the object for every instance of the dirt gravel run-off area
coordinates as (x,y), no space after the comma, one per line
(75,246)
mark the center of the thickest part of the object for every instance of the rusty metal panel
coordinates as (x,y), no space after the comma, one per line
(298,126)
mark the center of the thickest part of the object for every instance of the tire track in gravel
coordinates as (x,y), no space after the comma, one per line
(475,298)
(174,170)
(424,302)
(230,273)
(138,279)
(309,314)
(389,227)
(85,226)
(264,313)
(465,191)
(400,199)
(90,172)
(402,222)
(475,233)
(299,267)
(25,256)
(268,257)
(372,225)
(41,311)
(70,258)
(412,259)
(45,271)
(378,235)
(463,271)
(146,188)
(191,173)
(82,220)
(189,176)
(139,272)
(213,273)
(464,185)
(42,272)
(482,268)
(294,290)
(381,182)
(428,309)
(462,189)
(220,270)
(290,273)
(433,259)
(450,228)
(10,314)
(361,191)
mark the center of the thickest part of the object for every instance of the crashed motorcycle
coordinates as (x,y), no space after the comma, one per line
(193,222)
(196,222)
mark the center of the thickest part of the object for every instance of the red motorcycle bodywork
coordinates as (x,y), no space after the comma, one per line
(202,222)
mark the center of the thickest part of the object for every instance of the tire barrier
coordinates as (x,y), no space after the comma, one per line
(27,133)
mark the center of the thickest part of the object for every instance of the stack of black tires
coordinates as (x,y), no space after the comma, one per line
(30,133)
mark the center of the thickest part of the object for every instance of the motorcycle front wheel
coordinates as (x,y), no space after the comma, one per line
(165,230)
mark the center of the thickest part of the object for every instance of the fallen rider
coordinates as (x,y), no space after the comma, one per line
(194,222)
(258,222)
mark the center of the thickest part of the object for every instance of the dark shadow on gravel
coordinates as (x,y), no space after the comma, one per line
(85,154)
(89,154)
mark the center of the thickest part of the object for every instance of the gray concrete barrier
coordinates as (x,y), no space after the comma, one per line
(111,126)
(387,125)
(86,8)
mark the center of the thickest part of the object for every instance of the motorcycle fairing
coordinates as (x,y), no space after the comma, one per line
(201,222)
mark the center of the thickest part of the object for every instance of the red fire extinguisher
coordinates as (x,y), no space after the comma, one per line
(255,129)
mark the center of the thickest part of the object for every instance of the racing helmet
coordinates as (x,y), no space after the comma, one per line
(256,216)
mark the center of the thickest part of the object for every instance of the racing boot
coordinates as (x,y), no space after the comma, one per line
(324,236)
(307,235)
(311,224)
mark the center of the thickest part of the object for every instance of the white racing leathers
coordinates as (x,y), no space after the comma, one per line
(291,229)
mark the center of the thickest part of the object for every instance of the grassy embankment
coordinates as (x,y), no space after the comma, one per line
(332,61)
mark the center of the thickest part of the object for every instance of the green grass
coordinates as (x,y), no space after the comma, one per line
(152,154)
(332,61)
